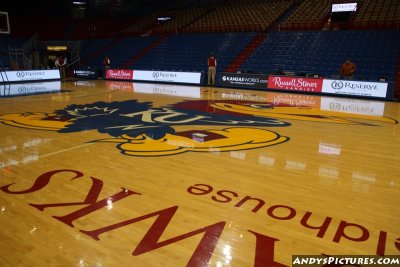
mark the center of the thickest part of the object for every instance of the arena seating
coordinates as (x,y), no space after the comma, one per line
(378,10)
(119,50)
(310,11)
(140,27)
(322,52)
(311,14)
(190,51)
(179,19)
(243,17)
(299,38)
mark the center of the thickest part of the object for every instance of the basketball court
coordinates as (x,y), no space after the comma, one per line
(110,173)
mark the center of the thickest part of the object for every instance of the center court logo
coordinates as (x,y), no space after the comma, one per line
(140,129)
(337,85)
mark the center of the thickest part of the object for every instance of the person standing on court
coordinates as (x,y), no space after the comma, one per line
(106,63)
(61,63)
(347,69)
(212,69)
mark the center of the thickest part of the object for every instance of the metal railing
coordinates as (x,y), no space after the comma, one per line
(19,58)
(22,59)
(74,48)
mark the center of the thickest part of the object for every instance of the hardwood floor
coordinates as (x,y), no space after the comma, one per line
(106,173)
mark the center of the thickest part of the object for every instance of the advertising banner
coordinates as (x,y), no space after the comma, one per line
(168,76)
(29,75)
(119,74)
(344,7)
(86,74)
(299,84)
(243,80)
(155,76)
(355,88)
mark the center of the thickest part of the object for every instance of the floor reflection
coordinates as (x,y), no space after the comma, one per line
(23,89)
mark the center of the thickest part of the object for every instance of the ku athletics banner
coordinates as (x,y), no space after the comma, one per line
(299,84)
(355,88)
(243,80)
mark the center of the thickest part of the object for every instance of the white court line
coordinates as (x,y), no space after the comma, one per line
(44,155)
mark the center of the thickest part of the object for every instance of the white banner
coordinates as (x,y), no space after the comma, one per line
(167,76)
(345,7)
(29,75)
(356,88)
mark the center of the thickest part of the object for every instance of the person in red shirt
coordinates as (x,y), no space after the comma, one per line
(212,69)
(106,62)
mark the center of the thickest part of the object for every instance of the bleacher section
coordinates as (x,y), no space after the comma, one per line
(119,50)
(141,27)
(299,37)
(190,51)
(322,52)
(244,17)
(179,19)
(304,53)
(310,14)
(378,10)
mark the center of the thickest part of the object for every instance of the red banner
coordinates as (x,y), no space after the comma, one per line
(119,74)
(295,83)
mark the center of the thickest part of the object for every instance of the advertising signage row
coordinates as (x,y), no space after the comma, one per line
(247,81)
(28,75)
(303,84)
(156,76)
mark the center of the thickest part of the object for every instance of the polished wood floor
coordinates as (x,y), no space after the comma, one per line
(104,173)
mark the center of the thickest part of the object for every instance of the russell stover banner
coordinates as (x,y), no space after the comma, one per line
(243,80)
